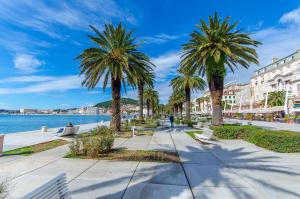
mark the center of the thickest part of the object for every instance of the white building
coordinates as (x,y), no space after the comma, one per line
(281,75)
(28,111)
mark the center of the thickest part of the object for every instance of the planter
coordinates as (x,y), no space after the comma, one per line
(1,144)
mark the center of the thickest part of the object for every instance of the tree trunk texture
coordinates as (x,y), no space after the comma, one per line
(188,103)
(116,109)
(180,110)
(141,99)
(148,108)
(216,86)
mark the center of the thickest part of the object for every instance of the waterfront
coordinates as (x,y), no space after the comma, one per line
(20,123)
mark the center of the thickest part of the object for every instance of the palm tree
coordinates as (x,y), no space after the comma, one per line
(188,82)
(276,98)
(115,58)
(177,99)
(143,80)
(212,50)
(151,98)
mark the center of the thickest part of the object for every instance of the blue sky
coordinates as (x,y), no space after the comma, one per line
(40,39)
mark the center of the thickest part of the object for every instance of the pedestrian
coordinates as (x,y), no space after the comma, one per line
(171,118)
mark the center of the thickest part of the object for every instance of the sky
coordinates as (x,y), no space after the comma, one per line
(39,41)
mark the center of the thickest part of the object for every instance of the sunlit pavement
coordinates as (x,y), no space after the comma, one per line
(229,169)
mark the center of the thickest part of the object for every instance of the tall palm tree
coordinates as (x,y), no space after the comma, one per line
(116,58)
(188,82)
(144,80)
(276,98)
(151,98)
(215,48)
(177,99)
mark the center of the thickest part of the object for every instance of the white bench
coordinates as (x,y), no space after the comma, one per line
(206,136)
(54,189)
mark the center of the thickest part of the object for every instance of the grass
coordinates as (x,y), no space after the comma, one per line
(134,155)
(192,134)
(29,150)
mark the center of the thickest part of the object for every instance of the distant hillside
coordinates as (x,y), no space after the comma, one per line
(107,104)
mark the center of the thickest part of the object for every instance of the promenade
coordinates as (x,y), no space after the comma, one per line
(228,169)
(269,125)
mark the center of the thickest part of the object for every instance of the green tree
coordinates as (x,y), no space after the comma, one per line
(177,99)
(215,48)
(187,82)
(115,57)
(276,98)
(152,100)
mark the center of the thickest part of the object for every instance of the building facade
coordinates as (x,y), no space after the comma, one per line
(281,75)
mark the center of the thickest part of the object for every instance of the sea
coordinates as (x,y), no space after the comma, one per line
(20,123)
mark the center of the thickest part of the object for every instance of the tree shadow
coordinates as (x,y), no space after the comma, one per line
(236,172)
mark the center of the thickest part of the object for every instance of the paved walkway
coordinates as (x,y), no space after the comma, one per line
(16,140)
(229,169)
(270,125)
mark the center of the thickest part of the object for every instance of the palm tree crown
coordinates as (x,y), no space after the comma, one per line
(276,98)
(116,58)
(188,82)
(214,48)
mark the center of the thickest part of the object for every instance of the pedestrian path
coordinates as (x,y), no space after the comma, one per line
(269,125)
(228,169)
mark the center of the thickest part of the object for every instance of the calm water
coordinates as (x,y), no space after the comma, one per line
(18,123)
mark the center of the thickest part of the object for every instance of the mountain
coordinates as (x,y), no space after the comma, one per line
(126,101)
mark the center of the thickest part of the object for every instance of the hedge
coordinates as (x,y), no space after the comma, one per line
(279,141)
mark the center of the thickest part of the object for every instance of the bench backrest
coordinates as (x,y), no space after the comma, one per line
(56,188)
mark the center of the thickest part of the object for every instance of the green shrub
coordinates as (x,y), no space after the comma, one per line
(233,131)
(280,141)
(3,190)
(94,143)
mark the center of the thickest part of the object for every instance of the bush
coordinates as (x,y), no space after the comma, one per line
(279,141)
(233,131)
(94,143)
(3,190)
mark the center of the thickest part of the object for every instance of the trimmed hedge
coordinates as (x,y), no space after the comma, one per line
(234,132)
(279,141)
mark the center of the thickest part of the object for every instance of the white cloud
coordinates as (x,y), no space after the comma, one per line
(278,41)
(61,83)
(27,63)
(43,17)
(160,38)
(166,64)
(28,78)
(292,17)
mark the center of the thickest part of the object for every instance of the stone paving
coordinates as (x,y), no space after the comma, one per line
(228,169)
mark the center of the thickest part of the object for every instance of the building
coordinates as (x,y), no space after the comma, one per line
(28,111)
(281,75)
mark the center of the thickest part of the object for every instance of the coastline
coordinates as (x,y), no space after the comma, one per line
(27,138)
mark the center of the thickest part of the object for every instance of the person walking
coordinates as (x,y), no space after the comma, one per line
(171,118)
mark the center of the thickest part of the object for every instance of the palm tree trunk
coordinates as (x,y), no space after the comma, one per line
(216,85)
(116,109)
(152,107)
(148,108)
(188,103)
(141,99)
(176,110)
(180,109)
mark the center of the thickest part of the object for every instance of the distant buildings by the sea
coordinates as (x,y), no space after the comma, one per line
(281,75)
(89,110)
